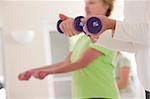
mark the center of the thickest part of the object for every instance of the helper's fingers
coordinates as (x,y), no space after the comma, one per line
(94,38)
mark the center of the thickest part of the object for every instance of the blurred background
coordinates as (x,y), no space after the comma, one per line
(29,39)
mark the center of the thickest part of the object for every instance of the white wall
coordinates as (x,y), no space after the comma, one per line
(1,66)
(22,16)
(0,14)
(0,39)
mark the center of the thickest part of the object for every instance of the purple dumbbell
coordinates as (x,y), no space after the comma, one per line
(58,28)
(78,25)
(94,25)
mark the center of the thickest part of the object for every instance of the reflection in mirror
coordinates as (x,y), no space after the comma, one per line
(2,89)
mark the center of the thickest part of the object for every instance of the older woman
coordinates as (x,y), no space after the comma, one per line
(93,75)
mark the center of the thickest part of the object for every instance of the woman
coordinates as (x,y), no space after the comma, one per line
(131,37)
(93,75)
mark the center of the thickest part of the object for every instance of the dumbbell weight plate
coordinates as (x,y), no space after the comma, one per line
(78,25)
(58,28)
(94,25)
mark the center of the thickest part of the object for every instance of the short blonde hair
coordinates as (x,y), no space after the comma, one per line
(110,4)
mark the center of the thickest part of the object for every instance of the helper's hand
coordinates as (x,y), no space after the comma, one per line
(94,38)
(67,26)
(25,75)
(107,23)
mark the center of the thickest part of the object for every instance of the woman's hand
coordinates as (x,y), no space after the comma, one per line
(67,26)
(36,73)
(40,74)
(25,75)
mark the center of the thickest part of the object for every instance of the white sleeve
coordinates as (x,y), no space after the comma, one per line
(106,41)
(135,33)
